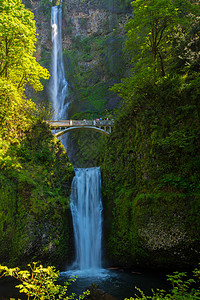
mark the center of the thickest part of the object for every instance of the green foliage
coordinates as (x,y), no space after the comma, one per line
(151,161)
(16,113)
(35,185)
(18,67)
(151,30)
(35,171)
(182,288)
(120,240)
(45,6)
(153,148)
(18,37)
(87,147)
(40,282)
(96,96)
(92,66)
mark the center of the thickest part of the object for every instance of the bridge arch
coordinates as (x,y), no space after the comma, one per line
(100,130)
(62,126)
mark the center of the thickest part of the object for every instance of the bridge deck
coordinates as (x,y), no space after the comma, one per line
(63,126)
(80,123)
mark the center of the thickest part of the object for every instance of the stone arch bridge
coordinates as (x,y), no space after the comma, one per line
(63,126)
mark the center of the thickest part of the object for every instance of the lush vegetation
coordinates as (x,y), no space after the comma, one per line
(91,59)
(35,170)
(151,162)
(40,282)
(85,148)
(18,67)
(183,288)
(93,64)
(35,187)
(94,59)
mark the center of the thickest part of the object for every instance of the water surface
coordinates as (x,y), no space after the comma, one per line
(119,283)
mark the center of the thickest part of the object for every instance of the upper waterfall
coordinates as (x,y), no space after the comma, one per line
(58,86)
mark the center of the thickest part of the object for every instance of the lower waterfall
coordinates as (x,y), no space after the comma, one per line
(86,209)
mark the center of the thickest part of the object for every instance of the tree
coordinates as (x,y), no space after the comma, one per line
(151,31)
(152,35)
(16,112)
(17,45)
(18,66)
(187,46)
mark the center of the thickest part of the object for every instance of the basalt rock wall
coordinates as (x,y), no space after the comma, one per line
(151,210)
(93,38)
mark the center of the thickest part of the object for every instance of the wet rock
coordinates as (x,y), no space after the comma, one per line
(97,294)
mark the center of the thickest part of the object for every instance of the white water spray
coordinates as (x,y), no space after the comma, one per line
(86,204)
(86,208)
(58,86)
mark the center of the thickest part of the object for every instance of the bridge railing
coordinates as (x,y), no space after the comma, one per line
(81,123)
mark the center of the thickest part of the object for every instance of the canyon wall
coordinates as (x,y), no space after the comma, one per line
(93,38)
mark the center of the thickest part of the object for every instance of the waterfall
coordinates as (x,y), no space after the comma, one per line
(85,202)
(86,208)
(58,86)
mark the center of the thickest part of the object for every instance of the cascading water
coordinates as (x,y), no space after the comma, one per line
(86,208)
(58,86)
(86,205)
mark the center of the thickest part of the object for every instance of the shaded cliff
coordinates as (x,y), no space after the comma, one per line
(93,37)
(151,195)
(35,186)
(93,53)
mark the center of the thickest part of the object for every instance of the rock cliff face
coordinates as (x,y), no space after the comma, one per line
(148,221)
(93,35)
(90,18)
(93,38)
(80,18)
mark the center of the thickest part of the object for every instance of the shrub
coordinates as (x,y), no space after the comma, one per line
(182,288)
(39,282)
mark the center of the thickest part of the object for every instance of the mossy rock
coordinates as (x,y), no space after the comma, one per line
(35,219)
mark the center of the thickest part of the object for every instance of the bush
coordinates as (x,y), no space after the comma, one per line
(182,288)
(39,282)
